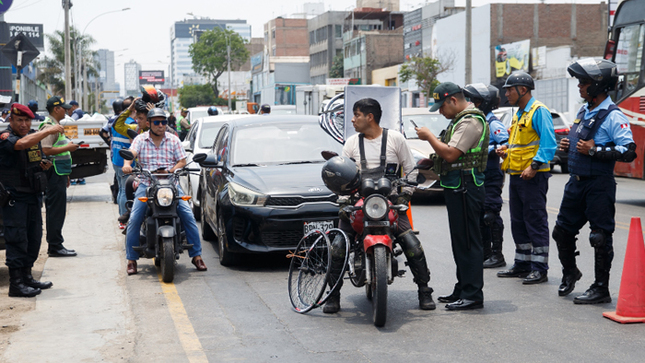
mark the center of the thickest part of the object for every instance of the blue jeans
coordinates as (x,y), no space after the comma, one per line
(120,198)
(138,214)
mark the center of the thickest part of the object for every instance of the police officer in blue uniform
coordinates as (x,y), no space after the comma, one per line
(486,98)
(23,176)
(600,136)
(33,106)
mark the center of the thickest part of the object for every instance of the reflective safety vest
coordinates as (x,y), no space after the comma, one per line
(474,159)
(63,161)
(523,143)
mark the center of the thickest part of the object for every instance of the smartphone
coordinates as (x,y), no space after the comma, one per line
(414,123)
(80,142)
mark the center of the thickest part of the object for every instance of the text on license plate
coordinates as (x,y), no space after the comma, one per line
(319,225)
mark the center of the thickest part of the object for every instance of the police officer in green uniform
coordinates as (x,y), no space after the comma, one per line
(57,147)
(460,159)
(23,177)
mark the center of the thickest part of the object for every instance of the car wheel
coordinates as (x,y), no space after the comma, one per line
(207,231)
(226,258)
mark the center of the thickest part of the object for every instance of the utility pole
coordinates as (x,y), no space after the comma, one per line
(68,68)
(85,90)
(228,68)
(469,41)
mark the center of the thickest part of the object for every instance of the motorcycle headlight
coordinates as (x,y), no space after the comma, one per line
(164,197)
(244,197)
(375,207)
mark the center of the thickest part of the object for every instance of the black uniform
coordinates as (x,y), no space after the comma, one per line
(23,177)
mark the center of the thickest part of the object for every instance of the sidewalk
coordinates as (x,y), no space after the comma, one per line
(85,316)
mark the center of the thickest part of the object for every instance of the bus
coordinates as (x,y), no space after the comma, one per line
(625,48)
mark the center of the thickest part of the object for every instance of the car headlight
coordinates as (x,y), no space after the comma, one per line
(375,207)
(165,197)
(244,197)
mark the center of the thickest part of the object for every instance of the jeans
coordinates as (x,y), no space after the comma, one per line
(120,179)
(138,214)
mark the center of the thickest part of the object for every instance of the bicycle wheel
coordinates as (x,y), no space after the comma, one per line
(336,269)
(309,271)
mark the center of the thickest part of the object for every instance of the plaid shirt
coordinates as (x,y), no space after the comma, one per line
(152,157)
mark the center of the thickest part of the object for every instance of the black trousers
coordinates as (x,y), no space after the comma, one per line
(56,206)
(23,232)
(468,251)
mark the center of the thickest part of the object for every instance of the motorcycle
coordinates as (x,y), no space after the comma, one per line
(161,236)
(371,258)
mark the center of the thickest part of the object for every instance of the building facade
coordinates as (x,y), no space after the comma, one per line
(286,37)
(325,42)
(131,78)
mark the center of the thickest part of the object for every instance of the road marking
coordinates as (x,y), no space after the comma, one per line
(187,336)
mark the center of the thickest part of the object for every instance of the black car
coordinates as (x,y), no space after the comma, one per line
(261,185)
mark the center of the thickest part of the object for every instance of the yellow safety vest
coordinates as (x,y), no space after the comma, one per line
(523,143)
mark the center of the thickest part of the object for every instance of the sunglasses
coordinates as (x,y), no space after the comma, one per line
(160,122)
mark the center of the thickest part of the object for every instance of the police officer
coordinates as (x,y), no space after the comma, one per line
(374,147)
(23,175)
(600,136)
(58,148)
(531,147)
(33,106)
(460,160)
(486,98)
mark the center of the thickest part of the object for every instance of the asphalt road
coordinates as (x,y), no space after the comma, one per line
(244,314)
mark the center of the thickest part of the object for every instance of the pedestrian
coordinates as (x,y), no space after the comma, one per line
(75,111)
(33,106)
(161,152)
(265,109)
(23,175)
(58,148)
(486,99)
(460,160)
(526,158)
(182,114)
(5,115)
(374,147)
(600,136)
(184,123)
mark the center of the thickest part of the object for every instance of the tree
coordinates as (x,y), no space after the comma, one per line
(210,57)
(425,71)
(196,95)
(53,67)
(337,67)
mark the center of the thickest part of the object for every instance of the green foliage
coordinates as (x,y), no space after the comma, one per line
(425,71)
(337,67)
(209,54)
(196,95)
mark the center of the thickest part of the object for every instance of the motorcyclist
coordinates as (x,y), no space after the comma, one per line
(368,147)
(162,152)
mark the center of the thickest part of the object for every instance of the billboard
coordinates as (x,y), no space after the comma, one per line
(151,77)
(131,79)
(512,57)
(33,32)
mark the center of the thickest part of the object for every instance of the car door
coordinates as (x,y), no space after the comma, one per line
(211,176)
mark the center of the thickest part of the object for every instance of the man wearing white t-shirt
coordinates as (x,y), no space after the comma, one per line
(366,120)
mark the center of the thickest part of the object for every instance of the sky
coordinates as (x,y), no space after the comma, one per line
(144,29)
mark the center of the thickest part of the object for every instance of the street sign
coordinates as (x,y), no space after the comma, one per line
(5,5)
(151,77)
(19,50)
(33,31)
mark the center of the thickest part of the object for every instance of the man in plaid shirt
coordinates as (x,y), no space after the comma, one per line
(159,151)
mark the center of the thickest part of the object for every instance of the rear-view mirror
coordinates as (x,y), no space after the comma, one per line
(424,164)
(126,154)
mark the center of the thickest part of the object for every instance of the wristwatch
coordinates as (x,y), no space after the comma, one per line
(535,165)
(592,151)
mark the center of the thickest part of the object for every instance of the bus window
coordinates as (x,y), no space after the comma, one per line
(629,53)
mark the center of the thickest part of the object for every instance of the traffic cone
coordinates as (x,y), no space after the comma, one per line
(630,307)
(409,214)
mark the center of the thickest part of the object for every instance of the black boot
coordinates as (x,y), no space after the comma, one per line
(17,287)
(415,257)
(566,243)
(333,303)
(30,281)
(569,279)
(497,257)
(425,298)
(598,292)
(337,260)
(486,239)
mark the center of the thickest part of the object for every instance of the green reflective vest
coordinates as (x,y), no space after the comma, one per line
(63,161)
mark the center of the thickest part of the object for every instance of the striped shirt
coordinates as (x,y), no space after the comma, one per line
(151,157)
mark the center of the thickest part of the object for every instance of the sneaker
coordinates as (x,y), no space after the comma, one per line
(73,182)
(81,182)
(121,225)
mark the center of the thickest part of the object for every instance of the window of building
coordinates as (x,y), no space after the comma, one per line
(338,31)
(273,34)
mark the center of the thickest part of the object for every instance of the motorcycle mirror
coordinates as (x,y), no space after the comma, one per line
(425,164)
(198,158)
(126,154)
(131,133)
(326,154)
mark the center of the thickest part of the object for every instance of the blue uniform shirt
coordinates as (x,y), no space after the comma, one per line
(614,129)
(498,133)
(78,113)
(543,125)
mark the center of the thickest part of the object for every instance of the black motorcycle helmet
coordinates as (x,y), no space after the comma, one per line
(519,78)
(602,73)
(488,96)
(212,111)
(117,106)
(341,175)
(156,112)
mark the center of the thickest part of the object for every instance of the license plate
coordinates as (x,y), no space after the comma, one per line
(319,225)
(91,132)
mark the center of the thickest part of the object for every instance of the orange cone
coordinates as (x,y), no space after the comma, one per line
(409,213)
(630,307)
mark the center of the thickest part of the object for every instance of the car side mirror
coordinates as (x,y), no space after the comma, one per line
(206,160)
(126,154)
(186,146)
(326,154)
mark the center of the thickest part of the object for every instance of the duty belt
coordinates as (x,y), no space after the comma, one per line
(583,177)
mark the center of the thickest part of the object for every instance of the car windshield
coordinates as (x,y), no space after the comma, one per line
(195,114)
(283,111)
(209,132)
(281,143)
(435,122)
